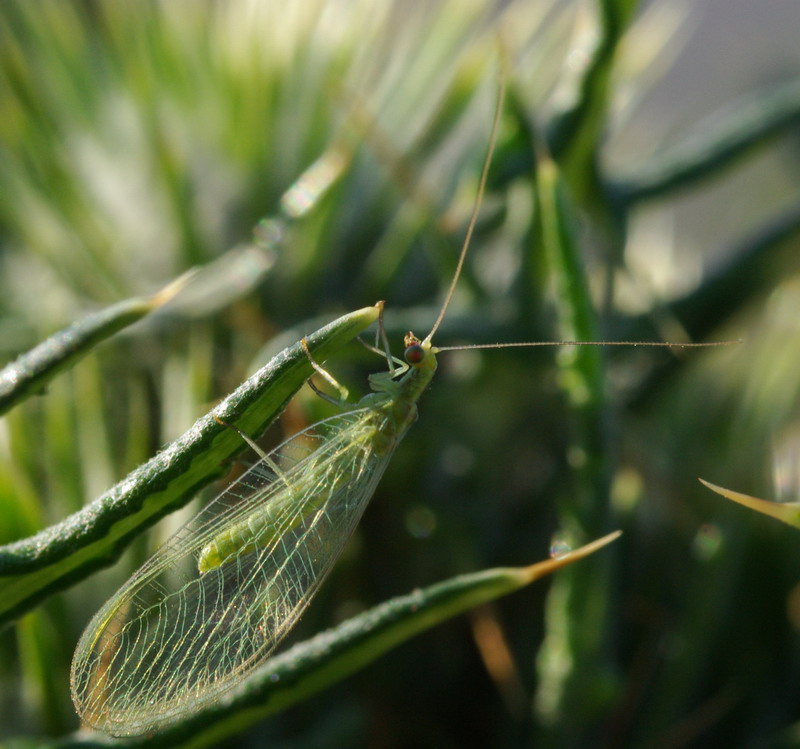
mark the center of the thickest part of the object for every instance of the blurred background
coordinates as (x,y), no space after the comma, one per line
(141,139)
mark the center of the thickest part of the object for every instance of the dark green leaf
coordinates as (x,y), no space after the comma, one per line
(94,537)
(741,126)
(31,372)
(331,656)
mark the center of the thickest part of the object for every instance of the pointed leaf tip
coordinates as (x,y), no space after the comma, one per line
(172,289)
(786,512)
(540,569)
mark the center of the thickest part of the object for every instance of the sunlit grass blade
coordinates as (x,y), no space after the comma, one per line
(786,512)
(65,553)
(331,656)
(31,372)
(575,133)
(715,144)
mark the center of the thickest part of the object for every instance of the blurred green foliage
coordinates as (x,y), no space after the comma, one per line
(142,138)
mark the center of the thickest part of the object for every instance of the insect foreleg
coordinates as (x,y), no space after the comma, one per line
(328,377)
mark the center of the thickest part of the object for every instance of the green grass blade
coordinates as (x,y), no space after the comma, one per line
(575,132)
(333,655)
(31,372)
(745,124)
(67,552)
(572,655)
(574,303)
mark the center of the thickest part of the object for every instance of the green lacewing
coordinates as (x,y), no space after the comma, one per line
(216,599)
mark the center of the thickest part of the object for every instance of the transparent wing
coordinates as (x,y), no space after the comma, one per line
(174,637)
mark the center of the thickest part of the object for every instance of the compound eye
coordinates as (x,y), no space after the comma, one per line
(414,353)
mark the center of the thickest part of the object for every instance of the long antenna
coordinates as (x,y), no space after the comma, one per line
(501,91)
(663,344)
